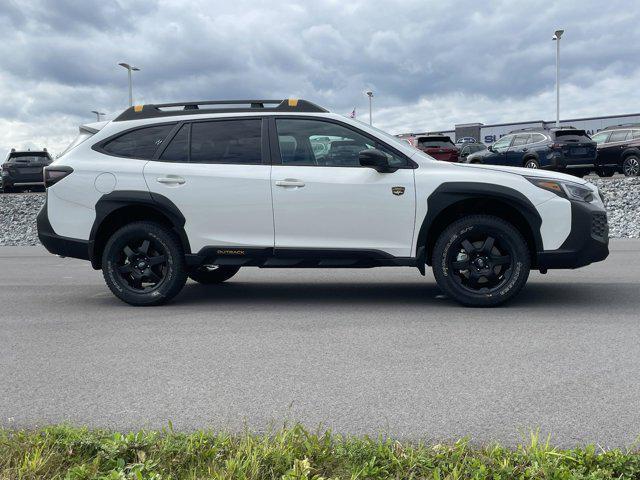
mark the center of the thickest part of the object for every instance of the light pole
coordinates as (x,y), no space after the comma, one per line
(370,95)
(98,114)
(556,38)
(130,68)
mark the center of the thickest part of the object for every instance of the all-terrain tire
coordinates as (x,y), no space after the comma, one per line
(481,241)
(143,264)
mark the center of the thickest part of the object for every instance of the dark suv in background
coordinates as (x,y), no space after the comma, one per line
(619,150)
(564,149)
(23,170)
(439,147)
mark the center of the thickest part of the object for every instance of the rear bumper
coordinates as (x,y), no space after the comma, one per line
(59,245)
(587,243)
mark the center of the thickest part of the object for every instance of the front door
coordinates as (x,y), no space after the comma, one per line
(217,173)
(324,199)
(498,151)
(517,150)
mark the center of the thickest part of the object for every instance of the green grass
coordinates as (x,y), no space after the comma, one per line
(64,452)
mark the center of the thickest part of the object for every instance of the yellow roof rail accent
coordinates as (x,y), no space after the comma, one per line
(137,108)
(293,102)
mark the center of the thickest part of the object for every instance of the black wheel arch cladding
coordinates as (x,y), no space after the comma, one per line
(124,199)
(449,194)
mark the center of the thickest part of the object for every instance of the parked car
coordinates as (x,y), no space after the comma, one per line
(619,150)
(23,170)
(439,147)
(563,149)
(467,149)
(158,195)
(466,140)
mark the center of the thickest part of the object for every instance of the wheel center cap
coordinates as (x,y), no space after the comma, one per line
(142,264)
(480,262)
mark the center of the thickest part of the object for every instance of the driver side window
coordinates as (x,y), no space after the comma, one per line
(306,142)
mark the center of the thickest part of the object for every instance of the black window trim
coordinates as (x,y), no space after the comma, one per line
(99,146)
(275,144)
(264,134)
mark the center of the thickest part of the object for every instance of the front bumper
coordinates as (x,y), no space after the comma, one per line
(587,243)
(57,244)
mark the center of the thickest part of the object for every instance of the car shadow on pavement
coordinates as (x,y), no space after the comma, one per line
(562,294)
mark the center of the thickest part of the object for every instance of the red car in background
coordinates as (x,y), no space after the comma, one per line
(439,147)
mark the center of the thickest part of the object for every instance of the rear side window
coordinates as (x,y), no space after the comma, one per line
(537,137)
(618,136)
(572,136)
(140,143)
(635,133)
(435,142)
(227,141)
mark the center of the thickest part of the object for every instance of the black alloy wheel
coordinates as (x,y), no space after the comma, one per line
(481,260)
(531,164)
(143,264)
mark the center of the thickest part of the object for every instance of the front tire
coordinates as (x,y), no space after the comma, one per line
(212,274)
(143,264)
(631,166)
(531,163)
(481,261)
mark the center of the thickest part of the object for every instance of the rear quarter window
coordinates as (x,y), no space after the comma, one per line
(141,143)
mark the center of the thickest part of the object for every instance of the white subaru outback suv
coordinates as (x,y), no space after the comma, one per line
(202,189)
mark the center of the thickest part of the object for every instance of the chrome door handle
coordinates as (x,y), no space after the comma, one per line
(289,182)
(171,180)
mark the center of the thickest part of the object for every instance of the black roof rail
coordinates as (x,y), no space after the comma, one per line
(159,110)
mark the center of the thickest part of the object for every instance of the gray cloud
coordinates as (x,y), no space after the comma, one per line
(431,64)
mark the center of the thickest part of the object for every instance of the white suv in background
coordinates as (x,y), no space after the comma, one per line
(202,189)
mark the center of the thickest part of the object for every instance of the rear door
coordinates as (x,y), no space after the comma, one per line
(609,151)
(217,173)
(323,198)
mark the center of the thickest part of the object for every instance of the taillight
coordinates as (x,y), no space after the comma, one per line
(5,167)
(557,146)
(53,175)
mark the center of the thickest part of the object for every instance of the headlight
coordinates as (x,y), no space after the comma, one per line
(569,190)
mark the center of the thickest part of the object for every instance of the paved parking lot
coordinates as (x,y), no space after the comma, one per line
(363,351)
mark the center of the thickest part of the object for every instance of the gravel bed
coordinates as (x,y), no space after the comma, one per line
(18,211)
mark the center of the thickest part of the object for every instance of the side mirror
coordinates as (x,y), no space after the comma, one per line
(490,148)
(375,159)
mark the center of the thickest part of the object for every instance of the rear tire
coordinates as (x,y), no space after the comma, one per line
(631,166)
(481,261)
(212,274)
(143,264)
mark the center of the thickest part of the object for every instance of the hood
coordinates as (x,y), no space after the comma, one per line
(528,172)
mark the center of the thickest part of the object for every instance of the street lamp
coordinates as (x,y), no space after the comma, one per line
(130,68)
(556,38)
(370,95)
(98,114)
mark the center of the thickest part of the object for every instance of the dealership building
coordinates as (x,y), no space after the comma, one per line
(488,134)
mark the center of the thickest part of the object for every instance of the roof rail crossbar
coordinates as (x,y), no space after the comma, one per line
(159,110)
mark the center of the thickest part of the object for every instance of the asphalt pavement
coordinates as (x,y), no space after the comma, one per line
(360,351)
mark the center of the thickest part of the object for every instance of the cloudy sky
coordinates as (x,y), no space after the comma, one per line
(431,64)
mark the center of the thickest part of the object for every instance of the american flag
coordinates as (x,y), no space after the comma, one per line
(353,113)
